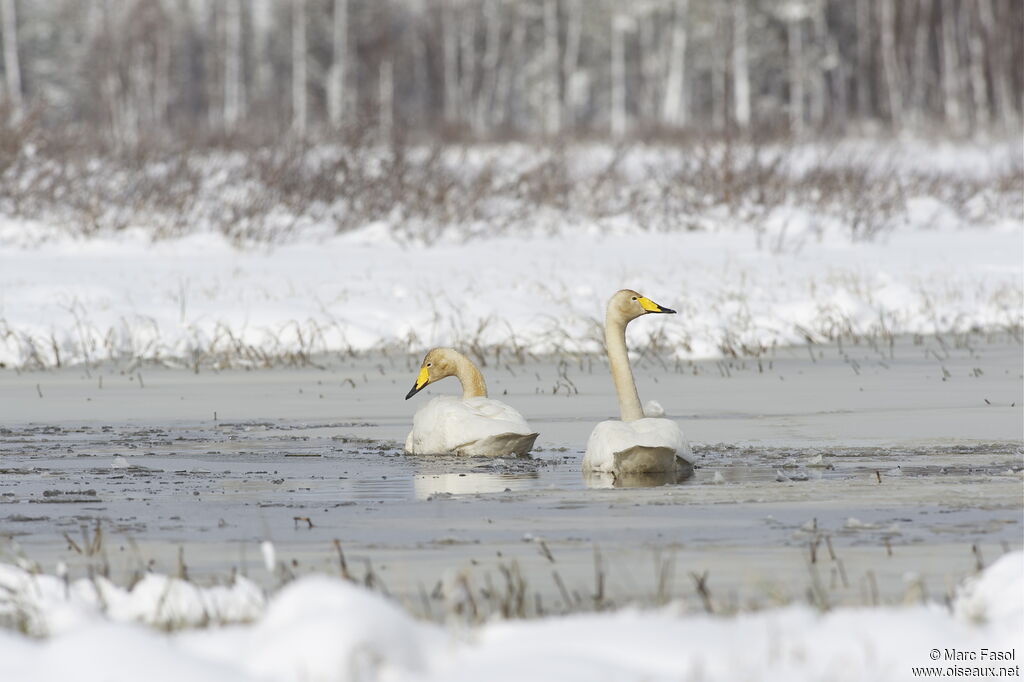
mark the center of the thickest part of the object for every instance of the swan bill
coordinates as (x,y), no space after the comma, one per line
(652,307)
(422,379)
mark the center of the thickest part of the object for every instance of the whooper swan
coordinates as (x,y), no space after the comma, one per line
(471,425)
(637,444)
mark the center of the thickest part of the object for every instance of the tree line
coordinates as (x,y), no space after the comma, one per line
(133,70)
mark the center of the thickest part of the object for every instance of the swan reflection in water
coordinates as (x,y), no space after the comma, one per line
(603,479)
(471,483)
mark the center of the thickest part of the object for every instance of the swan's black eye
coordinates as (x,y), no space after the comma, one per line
(429,364)
(634,298)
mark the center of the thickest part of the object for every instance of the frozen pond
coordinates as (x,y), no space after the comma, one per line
(897,469)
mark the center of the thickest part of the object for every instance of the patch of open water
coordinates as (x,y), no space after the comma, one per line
(813,454)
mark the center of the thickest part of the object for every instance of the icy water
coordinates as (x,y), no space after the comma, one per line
(856,473)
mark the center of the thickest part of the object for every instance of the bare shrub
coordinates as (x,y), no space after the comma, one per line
(256,192)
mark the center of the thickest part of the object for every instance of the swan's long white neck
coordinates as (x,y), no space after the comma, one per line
(630,408)
(469,376)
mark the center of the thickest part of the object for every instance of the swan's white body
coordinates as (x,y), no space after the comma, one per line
(644,446)
(474,424)
(469,426)
(637,444)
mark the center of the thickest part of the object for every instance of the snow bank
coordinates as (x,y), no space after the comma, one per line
(49,605)
(321,629)
(198,299)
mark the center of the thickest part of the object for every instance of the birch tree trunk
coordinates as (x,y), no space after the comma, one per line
(508,76)
(951,68)
(865,77)
(835,72)
(489,73)
(740,65)
(674,104)
(650,67)
(890,63)
(12,68)
(212,28)
(552,100)
(299,102)
(134,93)
(387,100)
(234,102)
(794,42)
(468,61)
(571,61)
(719,67)
(1002,87)
(162,75)
(921,74)
(339,63)
(819,84)
(262,15)
(450,45)
(620,25)
(976,53)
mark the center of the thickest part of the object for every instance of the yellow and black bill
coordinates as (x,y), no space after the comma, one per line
(652,307)
(422,379)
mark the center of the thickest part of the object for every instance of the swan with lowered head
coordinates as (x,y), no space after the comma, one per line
(471,425)
(637,444)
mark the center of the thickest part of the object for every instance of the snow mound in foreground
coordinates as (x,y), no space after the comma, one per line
(46,605)
(324,629)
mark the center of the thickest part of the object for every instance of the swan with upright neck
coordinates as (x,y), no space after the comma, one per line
(637,444)
(472,425)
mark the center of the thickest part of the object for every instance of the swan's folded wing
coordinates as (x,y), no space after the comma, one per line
(502,444)
(498,412)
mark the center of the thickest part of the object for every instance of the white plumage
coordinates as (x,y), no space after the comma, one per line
(648,445)
(469,426)
(652,408)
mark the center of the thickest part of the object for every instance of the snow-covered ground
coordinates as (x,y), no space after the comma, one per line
(201,299)
(940,252)
(319,628)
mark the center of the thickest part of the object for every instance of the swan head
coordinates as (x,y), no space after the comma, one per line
(438,364)
(629,305)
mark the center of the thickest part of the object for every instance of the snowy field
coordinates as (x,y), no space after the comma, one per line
(320,629)
(901,446)
(229,231)
(932,245)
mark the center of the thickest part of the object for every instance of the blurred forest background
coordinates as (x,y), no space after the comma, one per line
(125,72)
